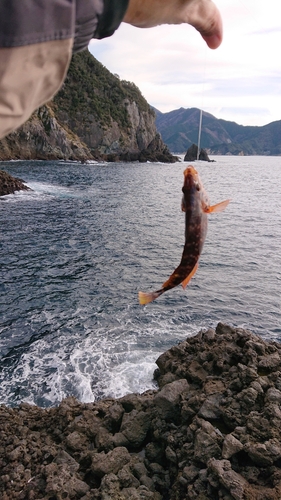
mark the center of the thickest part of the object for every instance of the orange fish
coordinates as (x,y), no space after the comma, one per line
(195,204)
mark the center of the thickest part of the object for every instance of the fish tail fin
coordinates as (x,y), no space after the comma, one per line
(145,298)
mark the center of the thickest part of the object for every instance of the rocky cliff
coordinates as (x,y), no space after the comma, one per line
(94,116)
(43,137)
(211,431)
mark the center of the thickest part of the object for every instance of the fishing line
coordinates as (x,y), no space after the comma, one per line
(199,134)
(201,108)
(251,15)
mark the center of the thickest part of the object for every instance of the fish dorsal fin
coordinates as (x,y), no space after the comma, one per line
(188,278)
(219,207)
(183,205)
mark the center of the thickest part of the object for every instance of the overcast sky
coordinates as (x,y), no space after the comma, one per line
(240,81)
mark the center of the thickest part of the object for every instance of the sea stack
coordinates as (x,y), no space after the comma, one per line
(191,154)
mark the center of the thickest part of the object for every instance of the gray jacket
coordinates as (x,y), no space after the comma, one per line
(26,22)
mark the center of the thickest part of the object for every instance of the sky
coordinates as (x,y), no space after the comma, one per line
(172,66)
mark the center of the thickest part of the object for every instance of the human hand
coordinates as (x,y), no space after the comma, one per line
(203,15)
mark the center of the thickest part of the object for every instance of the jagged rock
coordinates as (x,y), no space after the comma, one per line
(231,480)
(213,430)
(192,152)
(62,479)
(76,441)
(111,462)
(210,410)
(10,184)
(230,446)
(168,399)
(135,426)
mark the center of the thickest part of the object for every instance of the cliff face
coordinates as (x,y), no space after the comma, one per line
(42,137)
(94,115)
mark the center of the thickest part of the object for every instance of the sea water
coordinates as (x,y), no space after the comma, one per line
(76,250)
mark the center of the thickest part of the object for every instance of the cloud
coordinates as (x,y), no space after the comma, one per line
(173,67)
(268,31)
(247,111)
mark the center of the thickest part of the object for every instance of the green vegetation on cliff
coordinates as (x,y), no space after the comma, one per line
(90,89)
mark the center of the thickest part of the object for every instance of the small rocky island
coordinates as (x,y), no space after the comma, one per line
(192,153)
(211,431)
(10,184)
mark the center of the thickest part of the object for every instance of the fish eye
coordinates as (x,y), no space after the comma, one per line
(197,187)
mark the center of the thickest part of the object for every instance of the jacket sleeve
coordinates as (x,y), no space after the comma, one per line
(111,18)
(27,22)
(97,19)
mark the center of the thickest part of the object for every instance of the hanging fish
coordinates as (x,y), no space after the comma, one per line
(195,204)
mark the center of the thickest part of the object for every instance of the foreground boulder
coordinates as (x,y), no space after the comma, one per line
(211,431)
(9,184)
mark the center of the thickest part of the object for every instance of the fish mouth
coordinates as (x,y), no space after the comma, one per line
(190,176)
(190,171)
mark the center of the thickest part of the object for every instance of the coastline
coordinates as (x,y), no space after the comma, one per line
(211,430)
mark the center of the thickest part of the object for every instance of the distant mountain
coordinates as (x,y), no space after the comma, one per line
(179,130)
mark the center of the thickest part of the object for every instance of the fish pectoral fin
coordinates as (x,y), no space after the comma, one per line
(219,207)
(185,282)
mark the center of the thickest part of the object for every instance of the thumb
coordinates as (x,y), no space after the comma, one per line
(206,18)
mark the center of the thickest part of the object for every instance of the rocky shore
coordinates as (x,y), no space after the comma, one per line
(211,431)
(10,184)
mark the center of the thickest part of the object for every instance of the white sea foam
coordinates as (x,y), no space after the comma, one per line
(54,190)
(38,191)
(134,375)
(102,364)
